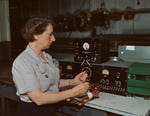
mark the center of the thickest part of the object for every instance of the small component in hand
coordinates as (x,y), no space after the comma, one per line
(90,95)
(82,99)
(95,89)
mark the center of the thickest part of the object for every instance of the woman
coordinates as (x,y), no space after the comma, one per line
(36,77)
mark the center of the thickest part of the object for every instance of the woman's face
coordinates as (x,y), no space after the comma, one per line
(45,39)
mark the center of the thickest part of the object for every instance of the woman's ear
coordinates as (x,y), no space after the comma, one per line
(35,37)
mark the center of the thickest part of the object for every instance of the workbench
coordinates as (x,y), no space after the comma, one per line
(122,105)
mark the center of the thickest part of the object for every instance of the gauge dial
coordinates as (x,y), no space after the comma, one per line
(86,46)
(105,72)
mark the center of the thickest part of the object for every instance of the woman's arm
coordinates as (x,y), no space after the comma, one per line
(66,83)
(41,98)
(80,78)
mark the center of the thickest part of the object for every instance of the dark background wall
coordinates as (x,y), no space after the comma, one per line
(135,31)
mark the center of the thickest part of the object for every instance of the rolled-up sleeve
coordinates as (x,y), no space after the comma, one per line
(24,76)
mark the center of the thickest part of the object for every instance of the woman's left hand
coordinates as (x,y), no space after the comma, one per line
(80,78)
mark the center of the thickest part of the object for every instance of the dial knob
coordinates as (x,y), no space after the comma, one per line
(89,72)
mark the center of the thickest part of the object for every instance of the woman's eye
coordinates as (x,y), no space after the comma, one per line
(51,34)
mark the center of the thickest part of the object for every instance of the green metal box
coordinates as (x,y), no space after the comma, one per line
(139,79)
(131,53)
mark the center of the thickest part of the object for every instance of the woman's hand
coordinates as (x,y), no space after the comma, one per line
(80,89)
(80,78)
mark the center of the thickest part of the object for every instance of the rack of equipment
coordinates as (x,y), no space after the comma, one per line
(91,50)
(113,77)
(128,76)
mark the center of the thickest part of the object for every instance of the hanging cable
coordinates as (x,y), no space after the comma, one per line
(102,4)
(138,2)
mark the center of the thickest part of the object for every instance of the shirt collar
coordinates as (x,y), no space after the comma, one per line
(33,54)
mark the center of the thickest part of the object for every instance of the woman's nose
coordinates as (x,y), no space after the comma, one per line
(53,38)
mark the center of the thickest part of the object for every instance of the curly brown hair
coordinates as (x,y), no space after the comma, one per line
(35,25)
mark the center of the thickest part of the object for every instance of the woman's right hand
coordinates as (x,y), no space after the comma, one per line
(80,89)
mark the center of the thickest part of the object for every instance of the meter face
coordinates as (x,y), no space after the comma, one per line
(86,46)
(105,72)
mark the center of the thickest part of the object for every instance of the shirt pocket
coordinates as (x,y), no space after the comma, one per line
(44,81)
(43,77)
(41,68)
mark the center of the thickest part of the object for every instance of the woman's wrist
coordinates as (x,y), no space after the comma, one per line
(71,82)
(72,92)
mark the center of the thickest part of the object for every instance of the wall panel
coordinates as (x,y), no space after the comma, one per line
(4,21)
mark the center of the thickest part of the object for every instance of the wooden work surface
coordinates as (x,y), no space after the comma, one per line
(5,72)
(6,80)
